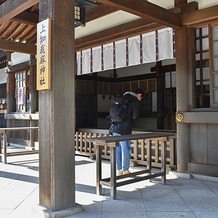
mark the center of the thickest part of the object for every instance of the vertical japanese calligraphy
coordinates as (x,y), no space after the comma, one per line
(43,54)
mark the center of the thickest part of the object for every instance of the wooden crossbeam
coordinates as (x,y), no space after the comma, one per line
(27,18)
(17,47)
(99,11)
(10,9)
(200,16)
(147,10)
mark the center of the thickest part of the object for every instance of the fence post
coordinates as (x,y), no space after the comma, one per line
(4,147)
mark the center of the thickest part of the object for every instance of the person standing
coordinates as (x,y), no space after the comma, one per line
(123,149)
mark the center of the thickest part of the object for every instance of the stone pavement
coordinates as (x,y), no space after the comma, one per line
(181,197)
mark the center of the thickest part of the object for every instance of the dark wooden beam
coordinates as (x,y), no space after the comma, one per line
(99,11)
(147,10)
(179,2)
(21,66)
(27,18)
(164,69)
(200,16)
(92,14)
(17,47)
(10,9)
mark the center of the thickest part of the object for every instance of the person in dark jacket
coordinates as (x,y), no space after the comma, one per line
(123,149)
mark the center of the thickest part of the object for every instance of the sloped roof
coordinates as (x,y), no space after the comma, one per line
(21,28)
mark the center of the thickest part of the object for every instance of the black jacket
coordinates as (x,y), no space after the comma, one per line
(125,127)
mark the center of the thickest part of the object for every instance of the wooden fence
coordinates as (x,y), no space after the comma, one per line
(139,148)
(82,147)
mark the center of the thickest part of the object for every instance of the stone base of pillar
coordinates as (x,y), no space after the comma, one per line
(182,167)
(46,213)
(184,175)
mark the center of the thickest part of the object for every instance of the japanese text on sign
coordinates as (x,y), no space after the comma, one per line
(43,54)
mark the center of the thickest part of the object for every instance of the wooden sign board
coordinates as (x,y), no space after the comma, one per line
(43,54)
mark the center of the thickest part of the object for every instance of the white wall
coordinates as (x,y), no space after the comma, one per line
(164,4)
(170,3)
(18,58)
(3,76)
(205,3)
(139,69)
(135,70)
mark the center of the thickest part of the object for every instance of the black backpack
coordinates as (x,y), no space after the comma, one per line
(119,109)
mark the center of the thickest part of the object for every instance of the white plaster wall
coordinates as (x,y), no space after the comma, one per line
(135,70)
(205,3)
(170,3)
(111,20)
(3,76)
(164,4)
(18,58)
(139,69)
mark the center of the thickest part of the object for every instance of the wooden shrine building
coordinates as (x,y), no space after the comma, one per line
(78,54)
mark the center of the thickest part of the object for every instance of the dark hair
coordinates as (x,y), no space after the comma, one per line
(140,91)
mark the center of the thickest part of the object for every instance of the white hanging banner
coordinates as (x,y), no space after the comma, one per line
(20,96)
(127,52)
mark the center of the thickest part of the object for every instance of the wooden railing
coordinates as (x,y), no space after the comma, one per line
(147,173)
(3,142)
(83,147)
(139,148)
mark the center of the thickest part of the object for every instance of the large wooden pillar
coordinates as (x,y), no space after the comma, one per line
(182,98)
(56,111)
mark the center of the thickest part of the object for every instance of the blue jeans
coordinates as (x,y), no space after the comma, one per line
(123,154)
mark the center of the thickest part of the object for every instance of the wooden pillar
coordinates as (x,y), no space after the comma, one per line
(33,98)
(11,106)
(182,98)
(56,112)
(11,102)
(95,84)
(160,96)
(11,84)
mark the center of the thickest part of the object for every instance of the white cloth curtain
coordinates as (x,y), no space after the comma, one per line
(120,53)
(86,61)
(108,56)
(149,47)
(165,43)
(134,45)
(96,59)
(145,48)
